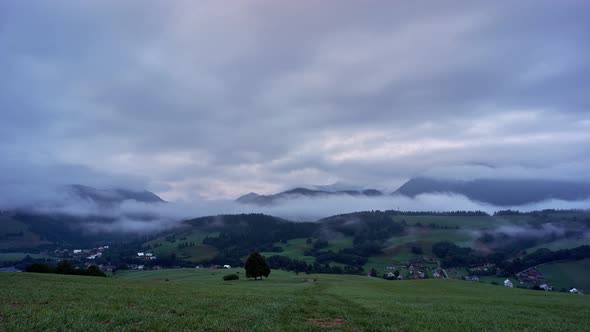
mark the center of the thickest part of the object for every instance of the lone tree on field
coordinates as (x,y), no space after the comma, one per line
(256,267)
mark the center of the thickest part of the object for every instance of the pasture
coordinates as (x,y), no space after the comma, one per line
(198,299)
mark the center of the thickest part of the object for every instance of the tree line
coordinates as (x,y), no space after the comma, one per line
(65,267)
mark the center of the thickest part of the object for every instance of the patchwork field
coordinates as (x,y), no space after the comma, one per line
(197,251)
(198,299)
(295,248)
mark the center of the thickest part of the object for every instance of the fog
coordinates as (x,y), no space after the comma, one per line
(137,217)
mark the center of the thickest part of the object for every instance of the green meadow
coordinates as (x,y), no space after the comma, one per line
(568,274)
(198,299)
(166,245)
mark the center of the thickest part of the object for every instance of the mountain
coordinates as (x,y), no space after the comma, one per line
(253,198)
(337,186)
(500,192)
(24,228)
(112,196)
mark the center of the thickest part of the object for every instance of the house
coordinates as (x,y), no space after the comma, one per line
(545,287)
(474,278)
(507,283)
(148,254)
(140,267)
(106,267)
(140,254)
(77,251)
(575,291)
(226,266)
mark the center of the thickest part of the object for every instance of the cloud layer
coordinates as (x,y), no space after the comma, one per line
(213,99)
(137,217)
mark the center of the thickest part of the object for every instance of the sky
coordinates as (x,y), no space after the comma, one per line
(207,100)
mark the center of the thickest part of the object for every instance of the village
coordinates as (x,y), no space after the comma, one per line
(81,254)
(418,268)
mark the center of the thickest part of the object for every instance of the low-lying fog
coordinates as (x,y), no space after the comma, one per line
(132,216)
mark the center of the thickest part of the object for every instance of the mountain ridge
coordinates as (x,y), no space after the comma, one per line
(254,198)
(499,192)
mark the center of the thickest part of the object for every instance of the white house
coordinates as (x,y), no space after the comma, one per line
(140,254)
(545,287)
(227,266)
(148,254)
(575,291)
(507,283)
(77,251)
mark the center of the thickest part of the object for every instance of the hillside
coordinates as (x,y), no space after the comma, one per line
(356,243)
(199,300)
(499,192)
(29,229)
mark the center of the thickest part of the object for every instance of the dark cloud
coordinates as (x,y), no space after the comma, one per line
(215,99)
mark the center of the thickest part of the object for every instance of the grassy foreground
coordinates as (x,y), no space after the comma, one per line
(199,300)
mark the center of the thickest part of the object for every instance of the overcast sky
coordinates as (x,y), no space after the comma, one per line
(214,99)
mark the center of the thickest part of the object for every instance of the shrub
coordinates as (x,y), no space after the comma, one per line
(232,276)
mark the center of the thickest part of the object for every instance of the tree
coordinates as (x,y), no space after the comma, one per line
(256,266)
(417,250)
(64,267)
(93,270)
(373,272)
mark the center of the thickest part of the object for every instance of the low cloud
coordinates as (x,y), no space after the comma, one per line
(136,217)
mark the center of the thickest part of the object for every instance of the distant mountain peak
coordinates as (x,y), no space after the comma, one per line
(112,196)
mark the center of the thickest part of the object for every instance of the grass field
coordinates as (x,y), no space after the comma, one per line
(568,274)
(197,299)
